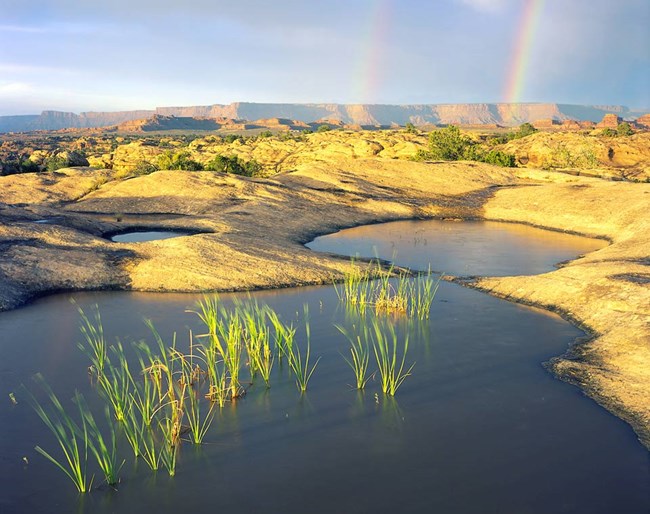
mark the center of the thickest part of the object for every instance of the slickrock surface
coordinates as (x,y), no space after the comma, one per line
(253,231)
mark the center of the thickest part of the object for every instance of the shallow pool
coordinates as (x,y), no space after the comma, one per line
(146,235)
(479,427)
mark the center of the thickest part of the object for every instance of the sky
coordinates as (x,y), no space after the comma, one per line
(111,55)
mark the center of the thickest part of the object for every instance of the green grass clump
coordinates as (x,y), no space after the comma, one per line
(73,439)
(386,347)
(359,356)
(388,294)
(299,365)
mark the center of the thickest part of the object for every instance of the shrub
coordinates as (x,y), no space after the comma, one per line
(410,128)
(324,128)
(231,138)
(448,144)
(507,160)
(144,168)
(234,165)
(28,166)
(609,132)
(56,162)
(525,129)
(178,161)
(624,129)
(266,133)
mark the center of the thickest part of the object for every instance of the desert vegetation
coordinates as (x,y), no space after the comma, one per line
(156,397)
(449,144)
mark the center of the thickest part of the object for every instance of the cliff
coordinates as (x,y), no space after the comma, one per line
(349,114)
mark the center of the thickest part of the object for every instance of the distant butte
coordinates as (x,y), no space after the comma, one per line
(363,115)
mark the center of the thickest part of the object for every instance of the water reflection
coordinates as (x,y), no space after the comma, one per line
(467,248)
(479,426)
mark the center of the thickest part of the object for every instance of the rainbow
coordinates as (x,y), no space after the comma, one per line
(516,76)
(368,77)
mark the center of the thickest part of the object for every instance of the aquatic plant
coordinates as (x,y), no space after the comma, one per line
(256,338)
(356,290)
(95,348)
(385,347)
(388,294)
(72,438)
(283,335)
(105,452)
(198,424)
(423,292)
(231,332)
(360,356)
(115,382)
(299,365)
(388,298)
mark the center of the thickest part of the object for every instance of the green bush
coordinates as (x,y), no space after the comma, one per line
(144,168)
(56,162)
(525,129)
(177,161)
(448,144)
(234,165)
(266,133)
(324,128)
(499,158)
(410,128)
(231,138)
(609,132)
(624,129)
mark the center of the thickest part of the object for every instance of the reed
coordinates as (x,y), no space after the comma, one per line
(95,347)
(356,290)
(231,332)
(169,448)
(208,312)
(115,382)
(299,365)
(423,294)
(146,396)
(105,452)
(198,424)
(388,298)
(283,335)
(359,355)
(131,428)
(162,368)
(216,374)
(391,367)
(72,438)
(256,336)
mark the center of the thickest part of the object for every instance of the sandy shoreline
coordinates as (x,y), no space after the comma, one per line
(253,231)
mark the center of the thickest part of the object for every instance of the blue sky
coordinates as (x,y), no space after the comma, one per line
(81,55)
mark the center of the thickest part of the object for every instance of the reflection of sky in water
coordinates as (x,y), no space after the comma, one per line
(460,248)
(480,426)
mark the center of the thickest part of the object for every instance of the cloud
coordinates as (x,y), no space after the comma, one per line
(22,28)
(12,89)
(28,68)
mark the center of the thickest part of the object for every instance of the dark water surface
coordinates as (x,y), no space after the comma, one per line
(480,427)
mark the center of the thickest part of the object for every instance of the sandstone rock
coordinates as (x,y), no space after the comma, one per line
(643,121)
(570,125)
(609,121)
(545,123)
(73,158)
